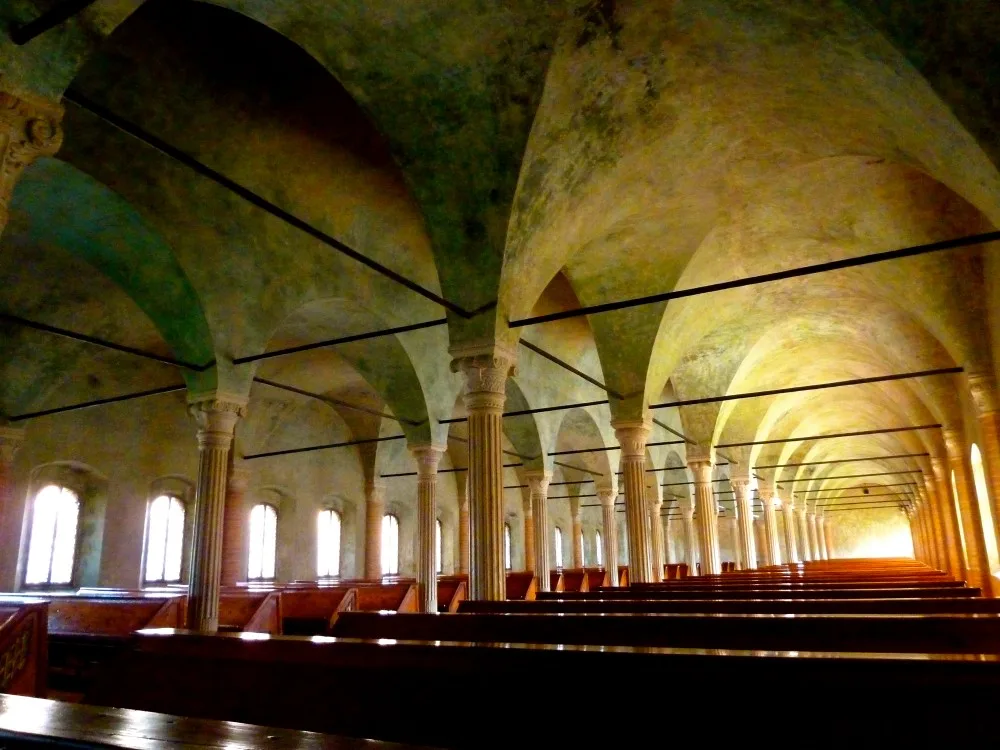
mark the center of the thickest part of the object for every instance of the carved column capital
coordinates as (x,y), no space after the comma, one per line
(953,443)
(30,127)
(427,457)
(216,415)
(486,369)
(607,497)
(701,468)
(632,435)
(11,440)
(375,492)
(538,482)
(740,486)
(766,493)
(983,389)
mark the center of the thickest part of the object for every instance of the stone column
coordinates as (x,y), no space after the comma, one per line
(486,370)
(760,537)
(216,417)
(464,532)
(11,440)
(235,520)
(669,550)
(654,504)
(690,539)
(828,529)
(984,399)
(772,549)
(374,510)
(708,515)
(813,535)
(975,542)
(30,127)
(632,436)
(788,511)
(538,486)
(428,457)
(802,533)
(821,536)
(610,536)
(574,509)
(945,517)
(529,535)
(744,502)
(732,523)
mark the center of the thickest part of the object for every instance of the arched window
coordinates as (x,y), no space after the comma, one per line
(164,540)
(52,545)
(390,545)
(263,542)
(985,508)
(958,517)
(328,544)
(438,556)
(506,546)
(598,549)
(558,547)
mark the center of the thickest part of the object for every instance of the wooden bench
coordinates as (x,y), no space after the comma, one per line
(745,606)
(521,585)
(597,577)
(863,633)
(575,579)
(556,581)
(398,597)
(85,632)
(250,612)
(451,590)
(34,722)
(313,611)
(23,646)
(882,593)
(395,690)
(623,575)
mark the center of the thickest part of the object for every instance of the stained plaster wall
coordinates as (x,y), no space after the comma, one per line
(870,533)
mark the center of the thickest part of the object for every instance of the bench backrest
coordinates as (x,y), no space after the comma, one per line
(119,616)
(23,648)
(521,585)
(398,597)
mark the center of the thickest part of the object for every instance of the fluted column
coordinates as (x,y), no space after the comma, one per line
(464,530)
(760,537)
(744,503)
(772,547)
(610,536)
(975,542)
(690,539)
(30,127)
(216,417)
(945,513)
(428,457)
(654,503)
(486,371)
(813,535)
(632,436)
(934,541)
(821,536)
(831,553)
(669,549)
(538,486)
(574,509)
(802,533)
(234,523)
(732,523)
(374,510)
(788,512)
(529,535)
(985,402)
(708,515)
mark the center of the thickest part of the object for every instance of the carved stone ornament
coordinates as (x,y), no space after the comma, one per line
(216,415)
(11,440)
(30,127)
(632,436)
(538,482)
(427,457)
(486,369)
(983,389)
(953,443)
(765,492)
(607,497)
